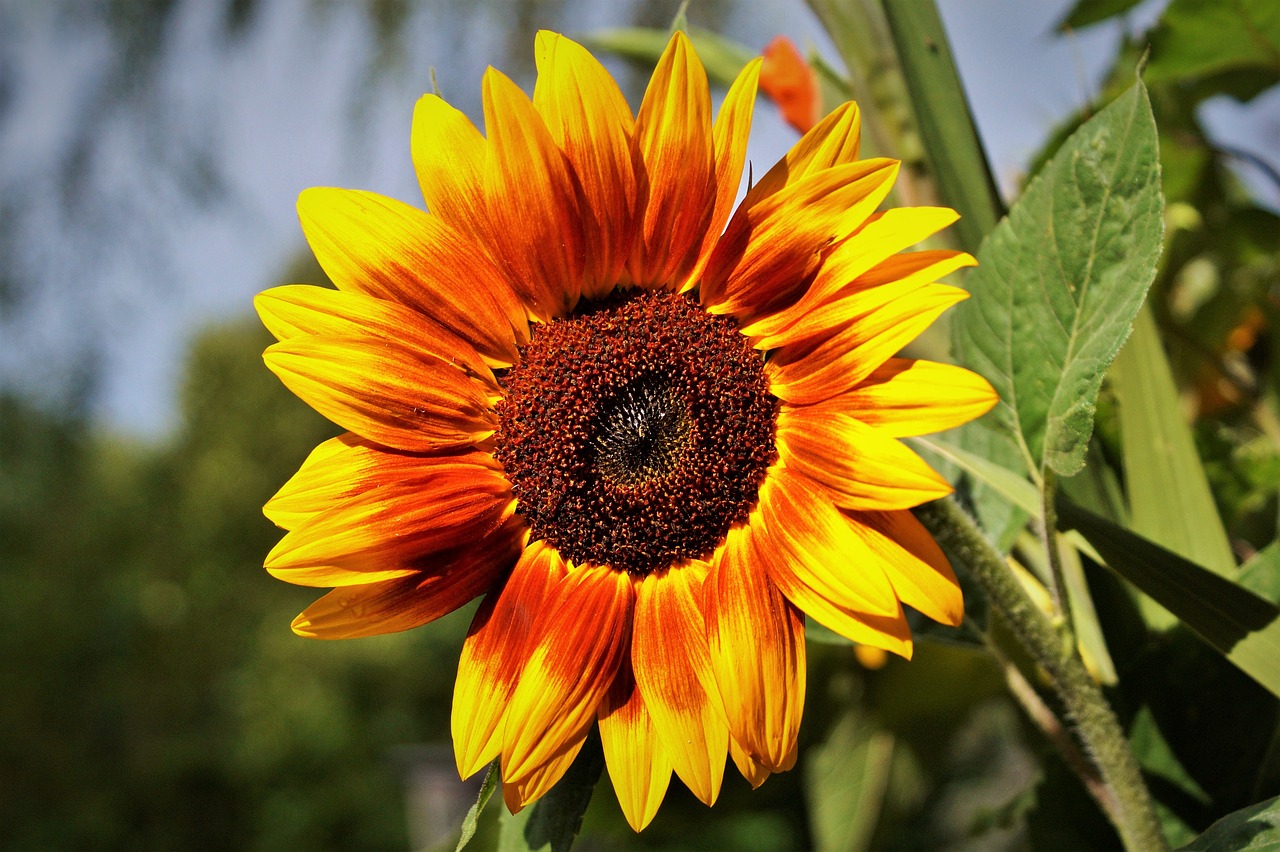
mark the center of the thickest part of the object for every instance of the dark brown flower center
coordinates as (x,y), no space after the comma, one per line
(636,431)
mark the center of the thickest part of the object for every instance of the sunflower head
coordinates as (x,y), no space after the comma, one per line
(656,433)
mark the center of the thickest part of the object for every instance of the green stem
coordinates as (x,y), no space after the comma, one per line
(1049,535)
(1094,722)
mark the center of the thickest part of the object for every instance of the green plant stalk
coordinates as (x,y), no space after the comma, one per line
(1093,721)
(1049,536)
(943,119)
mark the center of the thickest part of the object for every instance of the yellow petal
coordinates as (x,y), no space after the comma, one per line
(678,186)
(751,769)
(638,764)
(391,392)
(368,243)
(520,791)
(423,506)
(449,156)
(757,655)
(859,466)
(533,222)
(494,654)
(577,644)
(858,271)
(317,484)
(673,672)
(589,119)
(920,573)
(903,397)
(730,133)
(822,552)
(771,250)
(825,366)
(299,311)
(446,582)
(831,142)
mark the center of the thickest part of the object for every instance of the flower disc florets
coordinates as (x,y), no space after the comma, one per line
(636,431)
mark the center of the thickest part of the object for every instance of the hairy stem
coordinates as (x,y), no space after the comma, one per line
(1094,723)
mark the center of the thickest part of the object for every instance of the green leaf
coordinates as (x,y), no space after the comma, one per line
(1261,574)
(1087,12)
(984,439)
(1196,38)
(1169,498)
(1252,829)
(1060,279)
(1012,486)
(472,819)
(846,779)
(943,119)
(555,820)
(722,57)
(1230,618)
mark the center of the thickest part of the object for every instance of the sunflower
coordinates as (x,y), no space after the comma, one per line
(654,435)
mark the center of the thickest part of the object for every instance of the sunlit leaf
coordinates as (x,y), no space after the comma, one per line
(1169,498)
(554,821)
(472,819)
(1235,621)
(1086,12)
(1060,279)
(1261,574)
(1199,37)
(1012,486)
(1001,518)
(722,57)
(1252,829)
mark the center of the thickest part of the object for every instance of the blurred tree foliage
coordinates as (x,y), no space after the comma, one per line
(155,697)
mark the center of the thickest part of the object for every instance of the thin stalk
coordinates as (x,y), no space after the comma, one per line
(1093,721)
(1049,536)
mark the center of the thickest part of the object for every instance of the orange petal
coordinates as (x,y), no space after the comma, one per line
(904,397)
(393,392)
(368,243)
(859,466)
(589,119)
(820,549)
(678,187)
(732,128)
(638,764)
(673,672)
(791,83)
(449,156)
(494,654)
(920,573)
(533,224)
(578,643)
(447,581)
(422,505)
(757,655)
(832,142)
(831,364)
(771,250)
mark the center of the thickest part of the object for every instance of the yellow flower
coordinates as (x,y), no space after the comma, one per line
(654,435)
